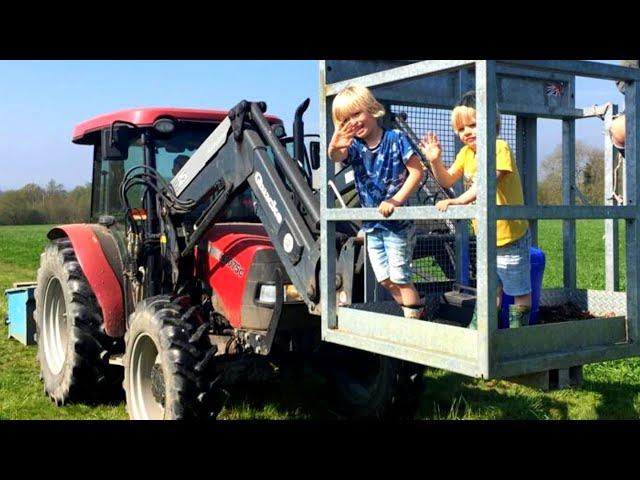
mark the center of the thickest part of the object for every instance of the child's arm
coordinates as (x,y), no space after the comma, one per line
(432,151)
(342,137)
(468,196)
(414,166)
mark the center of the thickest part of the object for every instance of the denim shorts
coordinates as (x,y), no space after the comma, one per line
(390,254)
(514,266)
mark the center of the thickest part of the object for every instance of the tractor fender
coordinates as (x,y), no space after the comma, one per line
(97,254)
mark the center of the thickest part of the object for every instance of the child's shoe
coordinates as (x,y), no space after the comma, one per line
(519,316)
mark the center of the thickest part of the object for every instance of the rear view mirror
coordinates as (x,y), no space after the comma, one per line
(115,143)
(314,154)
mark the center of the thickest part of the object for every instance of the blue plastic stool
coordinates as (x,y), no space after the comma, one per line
(20,306)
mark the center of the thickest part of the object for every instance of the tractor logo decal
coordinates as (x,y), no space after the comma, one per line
(227,261)
(270,201)
(181,179)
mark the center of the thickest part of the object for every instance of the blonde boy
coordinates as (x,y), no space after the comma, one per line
(387,171)
(513,237)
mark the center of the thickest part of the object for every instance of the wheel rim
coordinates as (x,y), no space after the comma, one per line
(54,326)
(144,357)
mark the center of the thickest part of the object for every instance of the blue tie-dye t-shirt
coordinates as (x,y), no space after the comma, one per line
(380,172)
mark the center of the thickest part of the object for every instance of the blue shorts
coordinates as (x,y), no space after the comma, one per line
(390,254)
(514,266)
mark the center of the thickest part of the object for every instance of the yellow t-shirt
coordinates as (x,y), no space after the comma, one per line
(508,188)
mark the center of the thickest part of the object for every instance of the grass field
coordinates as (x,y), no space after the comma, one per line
(610,390)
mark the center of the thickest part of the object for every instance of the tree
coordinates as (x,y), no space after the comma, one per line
(54,188)
(34,194)
(33,204)
(78,201)
(589,175)
(592,181)
(11,208)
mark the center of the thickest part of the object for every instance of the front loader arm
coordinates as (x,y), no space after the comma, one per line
(254,154)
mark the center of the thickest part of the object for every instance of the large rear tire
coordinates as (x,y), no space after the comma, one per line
(166,363)
(73,347)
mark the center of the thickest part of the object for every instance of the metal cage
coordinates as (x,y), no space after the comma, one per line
(523,91)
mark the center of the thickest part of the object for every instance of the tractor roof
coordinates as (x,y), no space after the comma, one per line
(144,117)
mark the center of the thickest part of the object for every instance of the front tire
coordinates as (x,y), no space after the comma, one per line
(166,362)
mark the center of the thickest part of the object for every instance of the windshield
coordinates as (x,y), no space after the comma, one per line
(174,151)
(171,154)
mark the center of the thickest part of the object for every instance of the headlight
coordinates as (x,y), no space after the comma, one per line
(164,125)
(267,294)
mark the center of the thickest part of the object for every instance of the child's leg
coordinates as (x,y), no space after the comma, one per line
(409,294)
(520,311)
(514,270)
(413,305)
(393,289)
(390,257)
(524,300)
(399,248)
(407,297)
(379,261)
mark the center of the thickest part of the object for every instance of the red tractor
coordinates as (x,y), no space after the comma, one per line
(200,270)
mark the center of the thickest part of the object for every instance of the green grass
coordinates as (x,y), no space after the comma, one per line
(590,257)
(21,392)
(611,390)
(429,266)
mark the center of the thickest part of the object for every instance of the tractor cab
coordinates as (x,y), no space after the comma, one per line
(162,138)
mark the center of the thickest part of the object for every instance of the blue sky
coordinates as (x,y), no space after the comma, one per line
(42,101)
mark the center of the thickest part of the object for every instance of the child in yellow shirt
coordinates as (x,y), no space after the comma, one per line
(513,236)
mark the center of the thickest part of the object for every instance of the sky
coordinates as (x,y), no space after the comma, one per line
(42,101)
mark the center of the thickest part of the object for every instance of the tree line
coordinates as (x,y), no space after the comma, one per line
(33,204)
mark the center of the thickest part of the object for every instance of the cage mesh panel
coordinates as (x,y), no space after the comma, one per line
(434,254)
